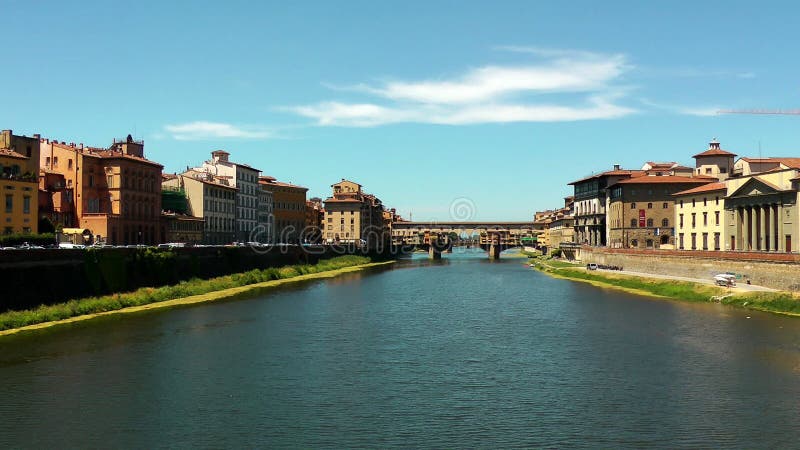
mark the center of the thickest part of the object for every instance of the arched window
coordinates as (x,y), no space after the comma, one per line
(649,222)
(633,223)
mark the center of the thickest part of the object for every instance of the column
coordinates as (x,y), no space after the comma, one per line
(776,217)
(767,227)
(738,229)
(781,240)
(746,228)
(764,228)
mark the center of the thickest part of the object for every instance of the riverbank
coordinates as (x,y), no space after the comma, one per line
(774,302)
(184,293)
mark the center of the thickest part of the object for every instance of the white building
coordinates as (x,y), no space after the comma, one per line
(245,179)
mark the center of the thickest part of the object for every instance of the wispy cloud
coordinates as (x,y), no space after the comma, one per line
(702,111)
(200,130)
(578,85)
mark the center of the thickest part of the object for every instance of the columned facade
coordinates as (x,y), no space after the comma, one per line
(764,223)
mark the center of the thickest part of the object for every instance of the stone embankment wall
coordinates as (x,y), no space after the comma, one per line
(770,270)
(29,278)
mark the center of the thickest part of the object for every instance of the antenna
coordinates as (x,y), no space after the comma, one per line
(777,112)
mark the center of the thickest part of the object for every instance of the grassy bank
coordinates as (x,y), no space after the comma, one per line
(195,289)
(774,302)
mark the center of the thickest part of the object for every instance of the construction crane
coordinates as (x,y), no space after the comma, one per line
(776,112)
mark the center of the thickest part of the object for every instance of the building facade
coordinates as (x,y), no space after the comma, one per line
(245,179)
(353,217)
(591,194)
(116,191)
(265,233)
(641,210)
(289,209)
(700,217)
(19,183)
(762,211)
(212,200)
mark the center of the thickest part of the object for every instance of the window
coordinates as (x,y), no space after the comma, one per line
(705,241)
(705,219)
(693,203)
(664,205)
(680,220)
(680,241)
(55,161)
(716,241)
(716,200)
(26,204)
(47,162)
(9,203)
(708,170)
(681,203)
(649,222)
(110,181)
(665,222)
(69,163)
(705,203)
(649,206)
(694,241)
(694,222)
(716,217)
(91,180)
(633,205)
(633,223)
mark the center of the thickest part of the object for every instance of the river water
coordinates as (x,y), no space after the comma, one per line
(465,352)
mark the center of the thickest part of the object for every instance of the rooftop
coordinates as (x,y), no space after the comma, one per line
(666,179)
(710,187)
(714,150)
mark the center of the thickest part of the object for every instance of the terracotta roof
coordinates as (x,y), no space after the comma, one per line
(270,181)
(610,173)
(719,186)
(666,179)
(343,180)
(714,152)
(788,162)
(342,200)
(661,165)
(11,153)
(116,155)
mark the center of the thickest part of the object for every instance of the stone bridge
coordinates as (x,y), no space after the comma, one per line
(494,237)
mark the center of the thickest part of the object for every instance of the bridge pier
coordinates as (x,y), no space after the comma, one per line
(494,251)
(433,253)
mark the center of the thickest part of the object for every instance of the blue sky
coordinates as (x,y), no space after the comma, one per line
(436,106)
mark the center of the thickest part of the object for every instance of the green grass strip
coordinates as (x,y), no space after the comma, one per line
(784,303)
(145,296)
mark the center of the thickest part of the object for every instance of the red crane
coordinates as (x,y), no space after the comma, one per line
(776,112)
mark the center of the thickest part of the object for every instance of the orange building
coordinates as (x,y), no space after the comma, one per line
(289,208)
(116,191)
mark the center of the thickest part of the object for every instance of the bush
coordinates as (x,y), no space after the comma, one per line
(15,239)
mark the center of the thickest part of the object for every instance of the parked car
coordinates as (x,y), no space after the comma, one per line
(725,279)
(591,266)
(70,245)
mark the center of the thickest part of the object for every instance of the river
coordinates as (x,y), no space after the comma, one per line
(465,352)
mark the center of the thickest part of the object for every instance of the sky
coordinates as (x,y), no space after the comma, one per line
(446,110)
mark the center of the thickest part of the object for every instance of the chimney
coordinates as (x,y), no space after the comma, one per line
(37,136)
(616,166)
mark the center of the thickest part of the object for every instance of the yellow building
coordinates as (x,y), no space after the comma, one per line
(351,216)
(19,183)
(700,217)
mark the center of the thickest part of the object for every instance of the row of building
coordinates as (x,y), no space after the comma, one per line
(723,203)
(115,195)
